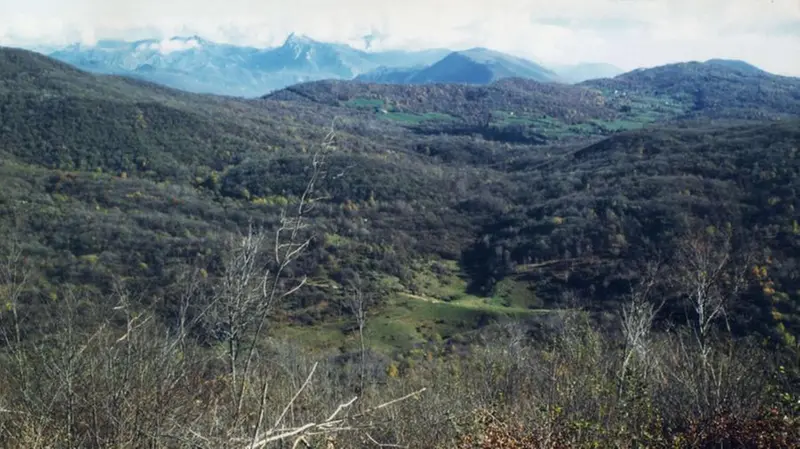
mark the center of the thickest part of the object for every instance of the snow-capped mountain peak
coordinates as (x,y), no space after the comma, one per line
(295,40)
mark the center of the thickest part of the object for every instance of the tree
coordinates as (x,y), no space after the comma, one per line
(637,316)
(710,273)
(15,276)
(254,279)
(357,303)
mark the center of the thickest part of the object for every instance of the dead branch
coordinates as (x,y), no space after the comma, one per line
(382,444)
(330,425)
(294,398)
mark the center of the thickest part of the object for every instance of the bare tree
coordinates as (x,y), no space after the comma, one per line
(357,304)
(239,298)
(711,274)
(334,423)
(15,276)
(254,279)
(637,316)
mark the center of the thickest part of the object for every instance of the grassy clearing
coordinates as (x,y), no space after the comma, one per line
(415,119)
(440,307)
(318,338)
(441,281)
(436,307)
(511,292)
(365,103)
(516,120)
(407,321)
(438,116)
(438,279)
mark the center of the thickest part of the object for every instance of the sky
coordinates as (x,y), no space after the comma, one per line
(626,33)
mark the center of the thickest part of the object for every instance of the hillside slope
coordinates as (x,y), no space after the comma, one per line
(608,208)
(61,117)
(106,178)
(715,89)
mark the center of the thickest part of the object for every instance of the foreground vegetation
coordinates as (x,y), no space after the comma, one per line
(207,367)
(150,385)
(209,363)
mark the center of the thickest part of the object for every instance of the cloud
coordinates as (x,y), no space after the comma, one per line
(166,46)
(628,33)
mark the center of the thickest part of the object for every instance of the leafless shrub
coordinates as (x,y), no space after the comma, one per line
(711,275)
(638,314)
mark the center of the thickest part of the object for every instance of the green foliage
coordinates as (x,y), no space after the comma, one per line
(478,218)
(511,189)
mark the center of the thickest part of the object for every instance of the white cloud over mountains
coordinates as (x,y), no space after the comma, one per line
(167,46)
(628,33)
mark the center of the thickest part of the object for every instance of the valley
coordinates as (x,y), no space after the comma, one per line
(143,176)
(443,233)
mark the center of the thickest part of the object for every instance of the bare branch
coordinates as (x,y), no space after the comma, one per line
(328,426)
(261,411)
(294,398)
(341,407)
(383,444)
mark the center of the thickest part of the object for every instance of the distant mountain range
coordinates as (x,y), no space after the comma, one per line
(474,66)
(198,65)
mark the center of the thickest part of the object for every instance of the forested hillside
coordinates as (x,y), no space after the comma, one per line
(430,221)
(109,177)
(712,89)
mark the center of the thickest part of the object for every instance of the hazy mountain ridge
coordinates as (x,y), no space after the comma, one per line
(198,65)
(473,66)
(678,92)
